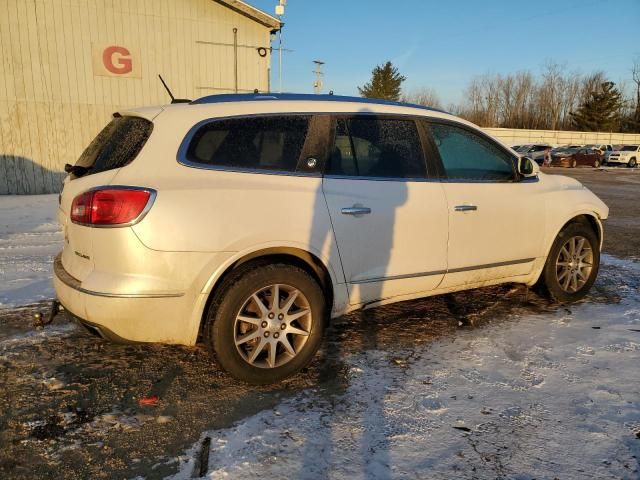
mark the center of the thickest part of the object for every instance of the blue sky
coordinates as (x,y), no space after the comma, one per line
(442,44)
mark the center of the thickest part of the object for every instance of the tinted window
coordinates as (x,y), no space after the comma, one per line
(266,143)
(116,145)
(467,156)
(372,147)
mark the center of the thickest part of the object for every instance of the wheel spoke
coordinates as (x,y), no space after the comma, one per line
(297,315)
(581,244)
(564,252)
(564,273)
(584,254)
(297,331)
(287,346)
(581,275)
(275,300)
(565,285)
(257,351)
(271,359)
(251,320)
(292,298)
(248,337)
(263,308)
(574,282)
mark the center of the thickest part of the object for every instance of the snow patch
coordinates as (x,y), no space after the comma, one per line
(537,396)
(30,237)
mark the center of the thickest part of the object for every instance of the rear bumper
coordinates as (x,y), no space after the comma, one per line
(162,318)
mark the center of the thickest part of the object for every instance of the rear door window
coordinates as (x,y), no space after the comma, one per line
(256,143)
(117,145)
(377,147)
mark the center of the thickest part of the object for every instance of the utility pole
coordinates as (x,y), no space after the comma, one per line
(280,13)
(317,85)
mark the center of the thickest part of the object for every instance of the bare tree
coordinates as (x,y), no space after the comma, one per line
(423,96)
(521,100)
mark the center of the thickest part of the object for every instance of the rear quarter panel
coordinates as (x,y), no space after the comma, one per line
(204,210)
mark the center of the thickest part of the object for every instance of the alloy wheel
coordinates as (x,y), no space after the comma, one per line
(272,326)
(574,264)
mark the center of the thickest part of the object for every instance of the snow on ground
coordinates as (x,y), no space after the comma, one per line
(30,237)
(536,396)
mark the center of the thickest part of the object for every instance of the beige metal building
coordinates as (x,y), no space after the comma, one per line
(67,65)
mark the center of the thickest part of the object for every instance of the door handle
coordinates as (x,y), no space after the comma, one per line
(356,210)
(465,208)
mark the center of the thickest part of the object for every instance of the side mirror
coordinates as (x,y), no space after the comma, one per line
(527,167)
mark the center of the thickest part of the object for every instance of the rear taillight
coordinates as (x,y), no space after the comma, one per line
(111,206)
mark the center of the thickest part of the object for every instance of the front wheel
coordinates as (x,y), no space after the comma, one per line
(632,163)
(572,265)
(574,163)
(596,163)
(266,323)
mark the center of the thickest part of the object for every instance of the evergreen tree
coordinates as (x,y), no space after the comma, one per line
(385,83)
(600,112)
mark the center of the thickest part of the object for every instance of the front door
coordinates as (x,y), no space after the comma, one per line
(496,222)
(390,222)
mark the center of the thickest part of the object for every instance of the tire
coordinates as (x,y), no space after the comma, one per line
(596,163)
(552,280)
(574,163)
(632,163)
(268,327)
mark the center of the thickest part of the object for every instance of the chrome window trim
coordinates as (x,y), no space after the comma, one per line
(384,179)
(182,159)
(152,198)
(186,141)
(516,178)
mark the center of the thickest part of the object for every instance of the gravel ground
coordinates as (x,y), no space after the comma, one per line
(74,406)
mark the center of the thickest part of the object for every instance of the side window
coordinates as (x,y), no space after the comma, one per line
(467,156)
(375,147)
(263,143)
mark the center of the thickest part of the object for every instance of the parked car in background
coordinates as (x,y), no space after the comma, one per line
(515,147)
(534,151)
(247,221)
(573,157)
(602,148)
(628,155)
(562,148)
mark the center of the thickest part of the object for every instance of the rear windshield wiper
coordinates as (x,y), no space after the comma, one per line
(76,170)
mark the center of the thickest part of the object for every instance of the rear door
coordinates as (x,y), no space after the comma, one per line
(115,146)
(496,222)
(389,218)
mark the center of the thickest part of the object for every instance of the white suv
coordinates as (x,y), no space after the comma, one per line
(247,221)
(628,155)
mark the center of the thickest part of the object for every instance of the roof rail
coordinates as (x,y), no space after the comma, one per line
(251,97)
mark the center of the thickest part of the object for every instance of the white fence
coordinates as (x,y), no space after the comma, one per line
(512,136)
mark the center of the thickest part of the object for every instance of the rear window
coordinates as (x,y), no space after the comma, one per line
(374,147)
(116,145)
(262,143)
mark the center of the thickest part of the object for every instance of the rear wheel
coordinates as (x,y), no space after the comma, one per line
(573,263)
(632,163)
(574,163)
(266,323)
(596,163)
